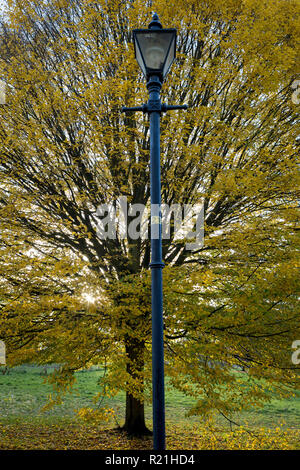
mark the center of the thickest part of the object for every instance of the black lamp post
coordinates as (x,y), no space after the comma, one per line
(155,51)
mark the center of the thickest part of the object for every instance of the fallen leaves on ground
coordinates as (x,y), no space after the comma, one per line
(73,436)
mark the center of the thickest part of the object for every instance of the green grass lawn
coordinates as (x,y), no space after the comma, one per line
(24,392)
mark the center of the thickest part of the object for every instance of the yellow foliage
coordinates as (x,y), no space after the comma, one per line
(231,310)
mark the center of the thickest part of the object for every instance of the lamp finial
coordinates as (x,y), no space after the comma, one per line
(155,23)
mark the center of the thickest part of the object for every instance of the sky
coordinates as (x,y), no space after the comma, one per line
(3,5)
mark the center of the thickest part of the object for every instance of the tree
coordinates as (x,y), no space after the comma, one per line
(66,149)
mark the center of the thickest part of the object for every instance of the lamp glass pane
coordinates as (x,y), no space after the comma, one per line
(154,48)
(170,58)
(139,58)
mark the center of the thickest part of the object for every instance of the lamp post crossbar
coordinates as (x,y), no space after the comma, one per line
(146,108)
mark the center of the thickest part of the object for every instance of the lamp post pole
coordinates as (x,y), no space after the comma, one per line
(154,108)
(156,265)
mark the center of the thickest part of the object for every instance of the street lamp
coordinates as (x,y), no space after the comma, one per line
(155,51)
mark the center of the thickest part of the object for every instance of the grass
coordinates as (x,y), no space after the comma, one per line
(23,393)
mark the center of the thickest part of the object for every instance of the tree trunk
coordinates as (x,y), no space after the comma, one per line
(135,413)
(135,417)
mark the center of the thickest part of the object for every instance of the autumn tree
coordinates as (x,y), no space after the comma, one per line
(71,297)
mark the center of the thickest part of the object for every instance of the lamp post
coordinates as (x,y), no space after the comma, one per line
(155,51)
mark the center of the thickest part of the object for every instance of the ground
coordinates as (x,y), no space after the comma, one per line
(23,425)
